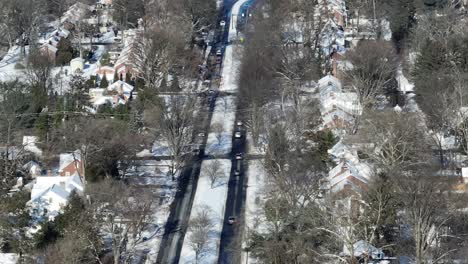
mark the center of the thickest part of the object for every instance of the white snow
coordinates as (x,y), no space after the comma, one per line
(215,199)
(405,86)
(230,71)
(255,198)
(225,114)
(9,258)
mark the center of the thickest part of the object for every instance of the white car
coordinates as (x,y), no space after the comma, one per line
(237,134)
(239,123)
(222,23)
(218,52)
(239,156)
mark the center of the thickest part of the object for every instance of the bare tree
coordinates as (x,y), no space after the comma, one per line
(427,210)
(124,213)
(39,70)
(370,67)
(397,140)
(215,172)
(175,119)
(199,231)
(218,129)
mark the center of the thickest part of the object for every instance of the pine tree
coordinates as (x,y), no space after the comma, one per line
(175,86)
(42,126)
(104,83)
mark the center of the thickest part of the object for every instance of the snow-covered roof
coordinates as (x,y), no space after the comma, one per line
(67,158)
(348,173)
(121,87)
(329,80)
(362,248)
(102,100)
(342,151)
(49,47)
(44,183)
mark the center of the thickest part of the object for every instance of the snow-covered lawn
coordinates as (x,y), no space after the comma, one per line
(231,66)
(224,114)
(254,202)
(215,200)
(155,175)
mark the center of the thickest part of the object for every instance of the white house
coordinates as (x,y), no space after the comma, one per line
(338,108)
(50,194)
(122,88)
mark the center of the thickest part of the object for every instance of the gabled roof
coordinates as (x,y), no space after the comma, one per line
(121,86)
(328,81)
(49,47)
(352,173)
(67,158)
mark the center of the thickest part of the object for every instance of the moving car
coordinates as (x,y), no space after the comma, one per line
(231,220)
(239,156)
(222,23)
(238,134)
(219,52)
(239,123)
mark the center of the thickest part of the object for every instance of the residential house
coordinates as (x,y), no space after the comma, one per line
(123,90)
(363,250)
(33,168)
(49,50)
(71,164)
(50,194)
(75,14)
(107,71)
(338,108)
(129,61)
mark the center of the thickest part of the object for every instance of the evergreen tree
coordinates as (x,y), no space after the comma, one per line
(104,83)
(42,126)
(64,52)
(175,86)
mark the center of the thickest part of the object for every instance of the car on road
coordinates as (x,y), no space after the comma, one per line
(236,172)
(232,220)
(222,23)
(219,52)
(239,156)
(238,134)
(239,123)
(201,134)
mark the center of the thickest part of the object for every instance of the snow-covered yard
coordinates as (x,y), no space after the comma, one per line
(214,199)
(224,114)
(155,175)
